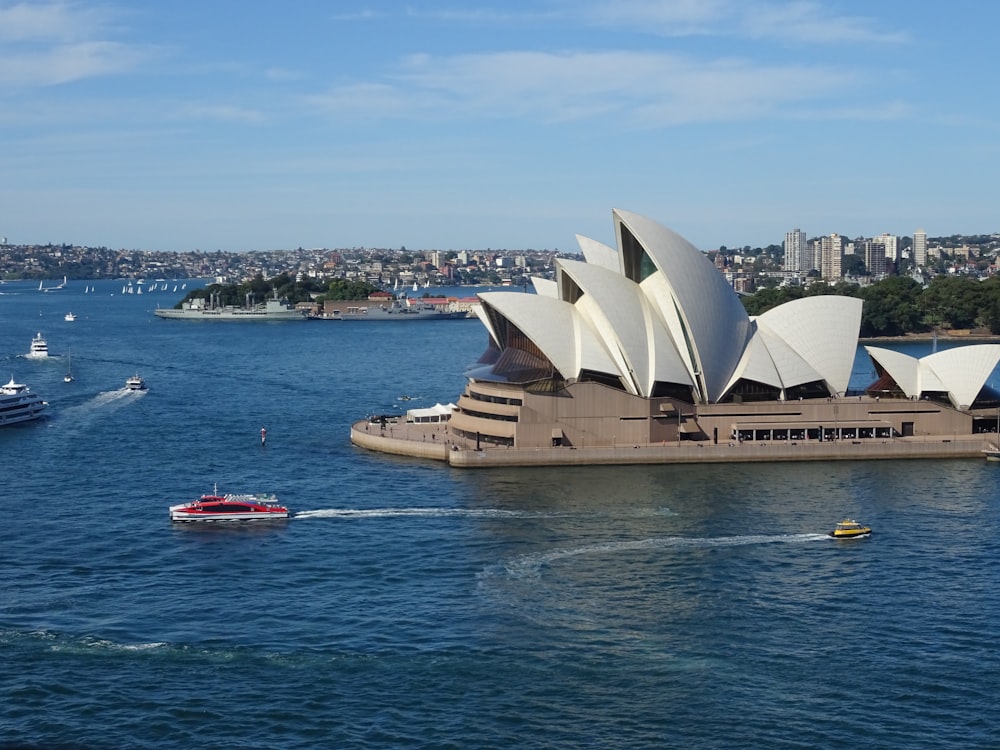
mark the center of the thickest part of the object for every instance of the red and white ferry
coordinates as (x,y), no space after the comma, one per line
(230,508)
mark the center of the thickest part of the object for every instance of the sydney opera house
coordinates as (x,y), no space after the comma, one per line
(643,353)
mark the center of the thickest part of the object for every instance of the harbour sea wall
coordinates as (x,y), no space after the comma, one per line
(431,442)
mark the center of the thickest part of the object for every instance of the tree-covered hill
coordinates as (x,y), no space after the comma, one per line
(284,287)
(898,305)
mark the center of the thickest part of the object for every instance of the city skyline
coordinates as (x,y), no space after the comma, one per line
(243,127)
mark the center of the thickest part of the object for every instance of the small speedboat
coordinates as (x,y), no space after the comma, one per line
(135,383)
(230,508)
(69,317)
(850,529)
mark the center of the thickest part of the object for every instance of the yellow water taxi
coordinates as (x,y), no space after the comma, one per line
(850,529)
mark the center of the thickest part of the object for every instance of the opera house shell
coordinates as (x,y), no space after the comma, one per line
(644,353)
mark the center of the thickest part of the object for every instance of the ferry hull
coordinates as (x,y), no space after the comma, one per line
(181,516)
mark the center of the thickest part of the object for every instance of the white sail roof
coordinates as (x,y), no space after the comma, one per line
(633,336)
(961,372)
(822,333)
(598,254)
(545,287)
(716,327)
(556,328)
(656,311)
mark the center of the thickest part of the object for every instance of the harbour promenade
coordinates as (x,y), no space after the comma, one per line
(432,441)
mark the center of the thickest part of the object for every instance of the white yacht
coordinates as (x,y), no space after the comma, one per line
(39,347)
(69,317)
(18,403)
(135,383)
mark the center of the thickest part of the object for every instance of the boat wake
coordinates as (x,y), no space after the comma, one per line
(418,513)
(531,565)
(103,401)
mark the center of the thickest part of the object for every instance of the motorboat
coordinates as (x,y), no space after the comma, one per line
(69,317)
(18,403)
(135,383)
(992,453)
(850,529)
(230,508)
(39,347)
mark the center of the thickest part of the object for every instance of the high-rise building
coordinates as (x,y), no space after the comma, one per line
(920,248)
(795,248)
(831,252)
(891,244)
(875,258)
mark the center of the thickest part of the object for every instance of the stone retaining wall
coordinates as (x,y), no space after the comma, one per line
(424,443)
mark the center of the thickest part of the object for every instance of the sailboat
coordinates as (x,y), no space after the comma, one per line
(68,377)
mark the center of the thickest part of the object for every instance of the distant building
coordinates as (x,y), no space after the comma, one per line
(831,257)
(795,248)
(875,258)
(890,245)
(920,248)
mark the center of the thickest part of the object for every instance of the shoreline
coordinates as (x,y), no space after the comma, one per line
(431,441)
(919,338)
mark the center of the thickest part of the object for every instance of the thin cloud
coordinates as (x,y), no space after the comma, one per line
(809,22)
(799,21)
(639,89)
(282,74)
(794,21)
(61,21)
(225,112)
(52,43)
(364,14)
(65,63)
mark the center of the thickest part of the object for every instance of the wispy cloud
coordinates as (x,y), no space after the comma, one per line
(792,21)
(810,23)
(59,42)
(223,112)
(362,14)
(41,21)
(64,63)
(639,89)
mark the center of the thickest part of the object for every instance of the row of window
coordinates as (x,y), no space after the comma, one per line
(494,399)
(813,433)
(480,437)
(486,415)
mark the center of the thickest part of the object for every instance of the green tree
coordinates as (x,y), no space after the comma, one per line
(952,301)
(853,265)
(990,315)
(341,289)
(891,307)
(765,299)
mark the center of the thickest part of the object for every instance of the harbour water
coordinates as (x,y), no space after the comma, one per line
(407,604)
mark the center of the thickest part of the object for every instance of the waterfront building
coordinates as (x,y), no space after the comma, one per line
(644,353)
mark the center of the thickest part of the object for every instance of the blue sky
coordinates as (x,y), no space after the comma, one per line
(243,125)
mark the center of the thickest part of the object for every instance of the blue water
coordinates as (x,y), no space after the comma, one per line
(412,605)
